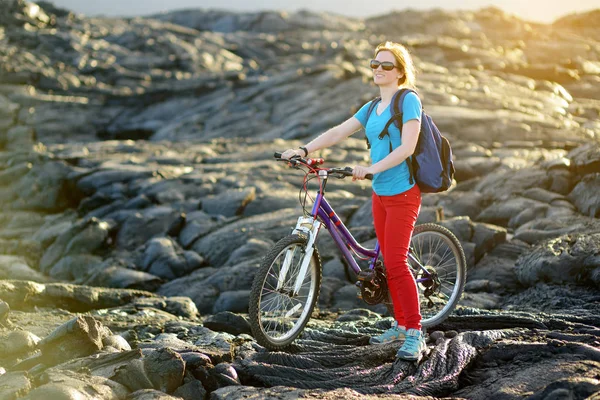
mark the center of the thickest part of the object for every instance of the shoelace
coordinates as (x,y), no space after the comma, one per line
(412,342)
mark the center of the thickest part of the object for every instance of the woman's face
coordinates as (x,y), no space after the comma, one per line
(382,77)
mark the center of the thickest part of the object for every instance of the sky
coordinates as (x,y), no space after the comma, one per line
(531,10)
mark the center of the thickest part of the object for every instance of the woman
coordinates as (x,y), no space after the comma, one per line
(396,202)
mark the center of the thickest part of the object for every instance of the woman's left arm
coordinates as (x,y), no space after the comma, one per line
(410,136)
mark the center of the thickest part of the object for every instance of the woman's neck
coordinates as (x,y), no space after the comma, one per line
(387,92)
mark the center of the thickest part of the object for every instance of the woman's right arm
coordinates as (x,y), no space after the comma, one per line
(328,138)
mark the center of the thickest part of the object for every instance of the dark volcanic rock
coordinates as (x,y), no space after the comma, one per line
(585,159)
(162,370)
(142,226)
(109,275)
(165,259)
(137,153)
(567,259)
(229,203)
(191,391)
(79,337)
(227,322)
(584,195)
(25,295)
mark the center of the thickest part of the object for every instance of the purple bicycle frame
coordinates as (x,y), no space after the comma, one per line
(340,234)
(344,239)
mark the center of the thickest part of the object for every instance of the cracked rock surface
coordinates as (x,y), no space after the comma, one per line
(138,196)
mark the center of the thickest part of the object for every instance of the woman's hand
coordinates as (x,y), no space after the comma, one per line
(289,153)
(359,172)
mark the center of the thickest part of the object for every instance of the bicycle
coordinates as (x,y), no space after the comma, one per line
(287,285)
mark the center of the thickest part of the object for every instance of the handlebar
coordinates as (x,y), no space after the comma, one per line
(346,171)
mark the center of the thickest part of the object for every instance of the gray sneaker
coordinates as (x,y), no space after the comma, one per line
(394,333)
(413,346)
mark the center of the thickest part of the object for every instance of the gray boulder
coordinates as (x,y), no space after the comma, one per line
(271,201)
(233,300)
(45,188)
(198,224)
(14,267)
(460,203)
(195,287)
(205,285)
(486,237)
(93,182)
(25,295)
(20,137)
(254,248)
(229,203)
(334,268)
(160,369)
(363,216)
(84,237)
(571,258)
(501,212)
(495,269)
(503,183)
(226,321)
(116,276)
(218,246)
(192,390)
(71,385)
(77,267)
(329,288)
(79,337)
(585,195)
(472,167)
(585,159)
(165,259)
(144,225)
(17,343)
(461,227)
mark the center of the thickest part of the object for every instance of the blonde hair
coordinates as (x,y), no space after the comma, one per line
(403,61)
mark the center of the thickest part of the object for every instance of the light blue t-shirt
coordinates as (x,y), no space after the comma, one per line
(395,180)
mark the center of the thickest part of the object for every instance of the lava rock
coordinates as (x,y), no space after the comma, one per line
(226,321)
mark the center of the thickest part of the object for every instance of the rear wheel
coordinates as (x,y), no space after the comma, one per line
(277,312)
(440,268)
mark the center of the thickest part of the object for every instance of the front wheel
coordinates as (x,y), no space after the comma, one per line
(438,264)
(282,301)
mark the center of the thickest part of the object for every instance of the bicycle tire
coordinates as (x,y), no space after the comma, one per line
(460,267)
(260,302)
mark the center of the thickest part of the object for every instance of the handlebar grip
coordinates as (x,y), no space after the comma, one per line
(349,170)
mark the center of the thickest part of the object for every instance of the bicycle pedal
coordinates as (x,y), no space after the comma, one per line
(367,275)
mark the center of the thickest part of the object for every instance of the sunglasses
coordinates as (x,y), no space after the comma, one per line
(386,65)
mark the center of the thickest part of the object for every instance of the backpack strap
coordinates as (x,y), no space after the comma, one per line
(397,114)
(397,102)
(372,106)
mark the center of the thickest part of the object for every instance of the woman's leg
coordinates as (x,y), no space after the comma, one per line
(379,220)
(401,213)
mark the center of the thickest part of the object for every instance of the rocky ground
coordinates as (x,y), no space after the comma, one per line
(138,195)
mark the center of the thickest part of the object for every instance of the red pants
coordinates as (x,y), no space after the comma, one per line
(395,218)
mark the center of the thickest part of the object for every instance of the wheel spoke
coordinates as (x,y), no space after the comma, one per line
(276,315)
(441,257)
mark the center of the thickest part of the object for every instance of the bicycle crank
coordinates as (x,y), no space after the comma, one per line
(372,285)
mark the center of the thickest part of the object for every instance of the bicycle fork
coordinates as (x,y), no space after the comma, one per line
(309,226)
